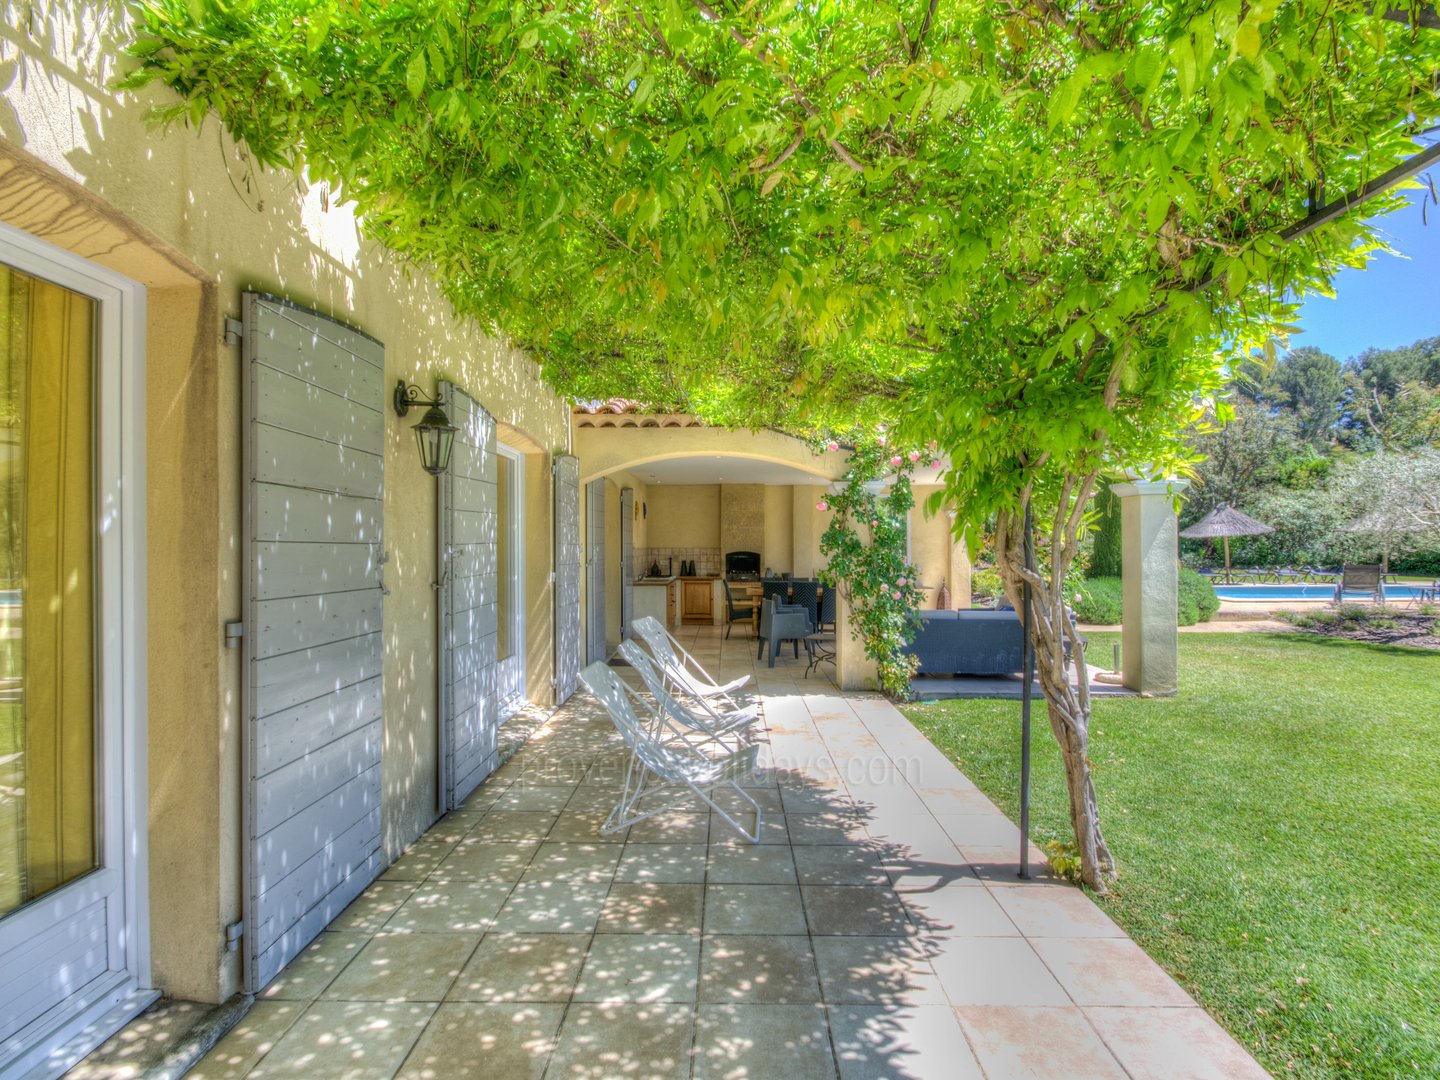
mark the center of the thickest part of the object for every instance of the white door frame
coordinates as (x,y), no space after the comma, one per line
(510,672)
(56,1040)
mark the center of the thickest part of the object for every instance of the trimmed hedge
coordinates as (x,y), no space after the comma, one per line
(1099,600)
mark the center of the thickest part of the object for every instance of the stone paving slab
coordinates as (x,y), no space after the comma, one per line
(879,930)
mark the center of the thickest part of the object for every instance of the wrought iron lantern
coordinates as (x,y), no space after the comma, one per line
(434,432)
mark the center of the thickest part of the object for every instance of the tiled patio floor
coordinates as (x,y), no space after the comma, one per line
(878,931)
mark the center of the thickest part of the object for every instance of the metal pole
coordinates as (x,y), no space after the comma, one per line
(1028,674)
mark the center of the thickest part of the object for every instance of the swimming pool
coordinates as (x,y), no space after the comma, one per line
(1310,592)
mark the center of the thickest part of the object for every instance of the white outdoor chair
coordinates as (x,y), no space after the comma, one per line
(681,669)
(707,718)
(669,769)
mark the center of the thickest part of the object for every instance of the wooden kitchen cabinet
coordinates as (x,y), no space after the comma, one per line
(697,600)
(672,606)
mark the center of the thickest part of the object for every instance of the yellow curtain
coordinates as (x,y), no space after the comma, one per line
(47,351)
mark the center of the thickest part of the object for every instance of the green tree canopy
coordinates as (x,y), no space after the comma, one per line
(1034,232)
(1027,228)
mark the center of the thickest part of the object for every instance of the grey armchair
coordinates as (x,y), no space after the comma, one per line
(780,623)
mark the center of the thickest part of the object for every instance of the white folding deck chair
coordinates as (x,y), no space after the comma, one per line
(681,669)
(707,718)
(669,769)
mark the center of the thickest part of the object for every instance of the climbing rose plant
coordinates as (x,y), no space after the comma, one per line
(865,548)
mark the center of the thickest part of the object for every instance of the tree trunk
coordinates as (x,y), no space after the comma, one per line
(1053,633)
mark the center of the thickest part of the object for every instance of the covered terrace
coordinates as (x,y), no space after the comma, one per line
(879,930)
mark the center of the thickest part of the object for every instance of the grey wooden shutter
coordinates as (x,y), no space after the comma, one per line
(568,660)
(627,560)
(595,570)
(469,643)
(314,461)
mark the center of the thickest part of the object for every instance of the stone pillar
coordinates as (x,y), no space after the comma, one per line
(1150,544)
(853,669)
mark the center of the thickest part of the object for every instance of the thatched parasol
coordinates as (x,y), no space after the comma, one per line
(1225,521)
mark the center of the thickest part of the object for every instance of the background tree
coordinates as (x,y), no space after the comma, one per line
(1393,397)
(1022,230)
(1106,533)
(1307,383)
(1393,501)
(1240,458)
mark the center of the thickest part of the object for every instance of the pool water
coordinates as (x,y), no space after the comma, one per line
(1309,592)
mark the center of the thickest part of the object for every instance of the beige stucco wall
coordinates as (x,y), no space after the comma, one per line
(807,526)
(936,553)
(776,552)
(181,210)
(684,515)
(603,450)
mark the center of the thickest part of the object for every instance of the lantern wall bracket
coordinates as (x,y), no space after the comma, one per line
(408,396)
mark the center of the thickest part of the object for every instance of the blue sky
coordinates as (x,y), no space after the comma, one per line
(1394,301)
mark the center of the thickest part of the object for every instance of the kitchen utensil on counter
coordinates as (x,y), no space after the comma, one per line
(654,569)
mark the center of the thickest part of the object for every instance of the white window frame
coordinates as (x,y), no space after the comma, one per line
(63,1035)
(508,706)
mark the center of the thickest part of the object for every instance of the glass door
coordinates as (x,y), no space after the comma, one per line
(71,943)
(510,580)
(47,589)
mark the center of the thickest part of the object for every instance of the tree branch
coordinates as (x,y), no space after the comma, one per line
(924,29)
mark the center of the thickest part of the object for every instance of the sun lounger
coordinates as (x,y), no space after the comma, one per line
(682,671)
(705,717)
(667,764)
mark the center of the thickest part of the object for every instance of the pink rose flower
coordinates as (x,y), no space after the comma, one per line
(881,440)
(896,460)
(832,446)
(914,455)
(897,594)
(822,505)
(900,582)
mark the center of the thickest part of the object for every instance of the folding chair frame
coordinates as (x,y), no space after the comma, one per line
(678,763)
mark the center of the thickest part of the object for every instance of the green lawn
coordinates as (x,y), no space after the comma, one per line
(1278,832)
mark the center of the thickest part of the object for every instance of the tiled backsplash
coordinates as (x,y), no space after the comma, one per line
(707,560)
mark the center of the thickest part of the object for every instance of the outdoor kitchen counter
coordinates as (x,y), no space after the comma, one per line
(659,598)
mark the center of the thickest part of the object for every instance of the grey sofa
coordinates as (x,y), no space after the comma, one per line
(972,642)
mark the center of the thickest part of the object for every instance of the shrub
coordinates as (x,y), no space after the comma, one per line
(1344,617)
(1421,562)
(986,583)
(1097,600)
(1197,593)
